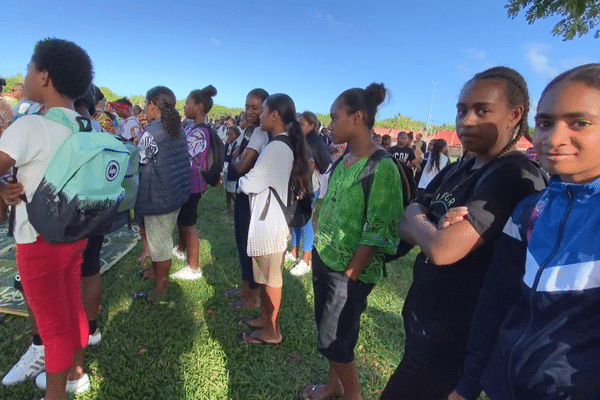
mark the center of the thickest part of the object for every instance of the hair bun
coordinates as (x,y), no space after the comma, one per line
(210,90)
(377,91)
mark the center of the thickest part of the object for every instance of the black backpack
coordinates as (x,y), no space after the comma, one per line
(366,179)
(298,210)
(216,158)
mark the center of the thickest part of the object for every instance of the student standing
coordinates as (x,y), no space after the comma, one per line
(536,327)
(197,105)
(351,241)
(243,159)
(164,184)
(448,273)
(59,72)
(282,160)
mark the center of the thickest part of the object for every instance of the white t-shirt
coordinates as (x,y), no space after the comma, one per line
(430,171)
(258,140)
(129,128)
(32,141)
(272,169)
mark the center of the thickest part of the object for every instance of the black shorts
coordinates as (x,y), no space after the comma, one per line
(339,303)
(188,215)
(91,260)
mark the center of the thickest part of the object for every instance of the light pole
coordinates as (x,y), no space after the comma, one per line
(428,125)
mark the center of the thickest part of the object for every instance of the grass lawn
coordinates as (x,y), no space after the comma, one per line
(188,346)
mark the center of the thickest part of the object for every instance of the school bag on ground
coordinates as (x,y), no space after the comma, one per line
(298,209)
(81,190)
(215,158)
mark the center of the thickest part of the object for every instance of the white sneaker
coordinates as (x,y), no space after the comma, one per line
(95,338)
(188,273)
(289,256)
(180,255)
(80,385)
(300,269)
(30,365)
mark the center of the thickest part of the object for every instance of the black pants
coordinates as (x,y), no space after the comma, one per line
(241,215)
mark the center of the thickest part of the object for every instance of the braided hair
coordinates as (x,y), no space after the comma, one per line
(516,94)
(164,99)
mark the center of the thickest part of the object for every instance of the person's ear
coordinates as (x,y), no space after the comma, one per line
(359,117)
(516,114)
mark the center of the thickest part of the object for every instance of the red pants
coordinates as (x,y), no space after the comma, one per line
(51,278)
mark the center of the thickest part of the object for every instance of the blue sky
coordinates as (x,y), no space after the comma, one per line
(311,50)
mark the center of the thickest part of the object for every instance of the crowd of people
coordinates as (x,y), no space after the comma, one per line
(505,292)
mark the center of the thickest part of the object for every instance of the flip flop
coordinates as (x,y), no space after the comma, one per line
(246,321)
(141,273)
(310,390)
(237,305)
(235,292)
(146,295)
(245,335)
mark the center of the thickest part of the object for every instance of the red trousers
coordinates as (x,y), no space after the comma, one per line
(51,278)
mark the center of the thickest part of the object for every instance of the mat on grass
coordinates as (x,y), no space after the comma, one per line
(116,245)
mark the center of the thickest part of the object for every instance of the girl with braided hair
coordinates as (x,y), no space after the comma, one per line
(164,184)
(456,222)
(536,326)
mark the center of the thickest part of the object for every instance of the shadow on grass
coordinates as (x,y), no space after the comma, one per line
(147,341)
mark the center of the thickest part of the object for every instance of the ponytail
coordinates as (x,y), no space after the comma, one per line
(164,99)
(300,177)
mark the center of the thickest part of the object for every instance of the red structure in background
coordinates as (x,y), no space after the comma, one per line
(449,136)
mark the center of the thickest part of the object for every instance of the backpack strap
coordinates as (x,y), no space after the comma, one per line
(368,174)
(285,139)
(77,124)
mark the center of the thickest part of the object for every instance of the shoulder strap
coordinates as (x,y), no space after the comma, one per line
(368,174)
(283,138)
(77,124)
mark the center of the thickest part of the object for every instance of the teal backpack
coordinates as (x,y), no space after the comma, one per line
(81,190)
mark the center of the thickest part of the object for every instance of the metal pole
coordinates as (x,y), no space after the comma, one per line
(428,125)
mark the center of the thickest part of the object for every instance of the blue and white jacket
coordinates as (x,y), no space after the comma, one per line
(536,329)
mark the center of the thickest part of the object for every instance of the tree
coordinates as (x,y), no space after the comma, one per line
(579,16)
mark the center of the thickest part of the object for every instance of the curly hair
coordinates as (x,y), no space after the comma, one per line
(285,107)
(164,99)
(516,94)
(67,64)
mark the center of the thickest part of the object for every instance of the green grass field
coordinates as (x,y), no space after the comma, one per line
(188,346)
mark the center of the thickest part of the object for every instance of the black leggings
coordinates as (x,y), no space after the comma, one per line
(241,215)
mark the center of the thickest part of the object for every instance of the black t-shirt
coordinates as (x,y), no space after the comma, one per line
(402,154)
(442,299)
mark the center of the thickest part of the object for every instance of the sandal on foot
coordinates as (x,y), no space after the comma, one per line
(239,305)
(146,295)
(235,292)
(309,391)
(141,273)
(246,322)
(249,338)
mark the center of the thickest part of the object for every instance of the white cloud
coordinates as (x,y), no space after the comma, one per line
(326,18)
(475,55)
(215,42)
(539,61)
